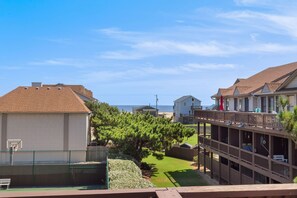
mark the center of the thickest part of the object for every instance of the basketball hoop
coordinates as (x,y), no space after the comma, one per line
(14,144)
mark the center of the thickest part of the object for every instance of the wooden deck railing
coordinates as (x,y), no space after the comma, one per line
(279,168)
(263,120)
(239,191)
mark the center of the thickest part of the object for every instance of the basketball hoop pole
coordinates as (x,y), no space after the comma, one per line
(11,155)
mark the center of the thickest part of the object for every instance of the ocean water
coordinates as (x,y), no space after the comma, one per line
(129,108)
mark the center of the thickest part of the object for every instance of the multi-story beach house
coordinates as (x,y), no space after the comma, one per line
(82,92)
(183,108)
(243,142)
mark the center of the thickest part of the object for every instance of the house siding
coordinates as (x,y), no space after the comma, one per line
(48,133)
(292,84)
(51,127)
(2,140)
(78,125)
(251,104)
(185,107)
(265,89)
(37,131)
(231,104)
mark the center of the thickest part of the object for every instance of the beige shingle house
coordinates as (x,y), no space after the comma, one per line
(44,119)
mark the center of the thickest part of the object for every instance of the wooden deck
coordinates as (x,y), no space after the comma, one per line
(261,120)
(239,191)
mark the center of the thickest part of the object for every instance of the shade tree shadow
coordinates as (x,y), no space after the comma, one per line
(186,177)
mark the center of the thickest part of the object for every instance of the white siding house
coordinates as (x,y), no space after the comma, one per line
(48,120)
(184,106)
(261,92)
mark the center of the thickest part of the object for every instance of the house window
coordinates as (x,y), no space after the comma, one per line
(291,102)
(270,104)
(227,104)
(185,104)
(263,104)
(246,104)
(276,104)
(235,104)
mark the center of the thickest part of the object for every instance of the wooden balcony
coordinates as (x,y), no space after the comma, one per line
(263,164)
(261,120)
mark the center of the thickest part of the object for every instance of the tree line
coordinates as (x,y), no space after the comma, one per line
(137,135)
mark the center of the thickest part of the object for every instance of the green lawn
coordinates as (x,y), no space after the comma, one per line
(193,140)
(172,172)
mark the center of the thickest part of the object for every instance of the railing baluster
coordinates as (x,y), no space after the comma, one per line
(250,119)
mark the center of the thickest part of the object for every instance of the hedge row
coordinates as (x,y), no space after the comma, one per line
(125,174)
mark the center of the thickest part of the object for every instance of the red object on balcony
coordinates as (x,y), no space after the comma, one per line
(221,104)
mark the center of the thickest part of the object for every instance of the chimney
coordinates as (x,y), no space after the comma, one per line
(36,84)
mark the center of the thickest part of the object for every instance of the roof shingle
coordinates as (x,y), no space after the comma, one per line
(257,81)
(42,100)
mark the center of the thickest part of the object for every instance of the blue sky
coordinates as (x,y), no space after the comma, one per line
(128,51)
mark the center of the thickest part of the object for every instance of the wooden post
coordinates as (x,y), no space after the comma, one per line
(220,170)
(198,158)
(253,146)
(290,159)
(240,175)
(240,144)
(204,129)
(229,172)
(211,164)
(229,164)
(269,156)
(239,155)
(204,161)
(204,150)
(229,141)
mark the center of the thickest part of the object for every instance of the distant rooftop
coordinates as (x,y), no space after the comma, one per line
(42,100)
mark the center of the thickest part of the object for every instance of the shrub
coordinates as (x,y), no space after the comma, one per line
(195,158)
(145,166)
(295,180)
(125,174)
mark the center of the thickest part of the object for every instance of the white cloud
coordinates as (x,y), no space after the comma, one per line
(139,46)
(251,2)
(211,49)
(283,23)
(141,72)
(69,62)
(122,55)
(128,36)
(165,47)
(274,48)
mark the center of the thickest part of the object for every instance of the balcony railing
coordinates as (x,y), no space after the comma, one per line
(262,120)
(240,191)
(277,167)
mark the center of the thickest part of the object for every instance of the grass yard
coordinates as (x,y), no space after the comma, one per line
(193,140)
(172,172)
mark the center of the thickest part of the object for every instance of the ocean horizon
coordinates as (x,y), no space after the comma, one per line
(129,108)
